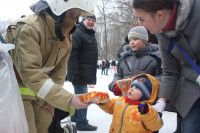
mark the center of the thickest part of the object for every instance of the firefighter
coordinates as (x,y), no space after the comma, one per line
(42,47)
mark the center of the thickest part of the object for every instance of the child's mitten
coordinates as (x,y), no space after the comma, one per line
(159,106)
(117,91)
(143,108)
(123,85)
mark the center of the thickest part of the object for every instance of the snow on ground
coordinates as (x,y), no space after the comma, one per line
(102,120)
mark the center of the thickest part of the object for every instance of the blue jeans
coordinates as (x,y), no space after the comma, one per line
(191,123)
(81,114)
(107,71)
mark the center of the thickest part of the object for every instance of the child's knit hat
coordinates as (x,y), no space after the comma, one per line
(139,32)
(145,86)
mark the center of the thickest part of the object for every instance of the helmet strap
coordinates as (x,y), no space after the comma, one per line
(58,31)
(59,20)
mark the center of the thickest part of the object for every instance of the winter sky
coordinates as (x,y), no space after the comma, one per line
(13,9)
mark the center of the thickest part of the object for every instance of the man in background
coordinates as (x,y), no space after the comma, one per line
(82,66)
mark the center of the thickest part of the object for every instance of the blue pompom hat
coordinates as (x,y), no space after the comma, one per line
(145,86)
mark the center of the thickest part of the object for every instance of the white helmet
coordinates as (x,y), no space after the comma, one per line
(60,6)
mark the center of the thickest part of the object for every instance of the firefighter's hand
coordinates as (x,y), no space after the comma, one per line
(76,102)
(49,108)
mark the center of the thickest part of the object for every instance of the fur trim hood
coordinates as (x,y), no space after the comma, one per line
(184,9)
(155,87)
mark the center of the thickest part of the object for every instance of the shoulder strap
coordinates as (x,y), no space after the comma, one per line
(194,65)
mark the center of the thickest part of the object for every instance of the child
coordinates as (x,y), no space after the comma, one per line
(138,59)
(134,113)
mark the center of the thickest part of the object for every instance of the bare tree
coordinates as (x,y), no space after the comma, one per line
(102,7)
(115,19)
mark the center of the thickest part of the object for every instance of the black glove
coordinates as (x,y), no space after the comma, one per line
(143,108)
(55,126)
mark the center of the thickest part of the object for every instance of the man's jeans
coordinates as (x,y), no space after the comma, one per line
(191,123)
(107,71)
(81,114)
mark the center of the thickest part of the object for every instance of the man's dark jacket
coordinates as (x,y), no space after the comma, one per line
(82,64)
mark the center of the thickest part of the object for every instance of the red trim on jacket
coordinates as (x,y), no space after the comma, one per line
(16,73)
(172,21)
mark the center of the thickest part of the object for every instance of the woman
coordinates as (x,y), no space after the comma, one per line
(175,20)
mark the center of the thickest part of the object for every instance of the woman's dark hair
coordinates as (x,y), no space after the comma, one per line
(153,6)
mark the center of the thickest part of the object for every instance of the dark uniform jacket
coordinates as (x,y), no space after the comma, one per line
(82,65)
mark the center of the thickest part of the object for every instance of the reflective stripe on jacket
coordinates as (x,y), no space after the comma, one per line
(27,91)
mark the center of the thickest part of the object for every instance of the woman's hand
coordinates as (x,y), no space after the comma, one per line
(160,105)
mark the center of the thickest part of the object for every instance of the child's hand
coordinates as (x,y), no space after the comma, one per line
(117,91)
(123,85)
(143,108)
(95,97)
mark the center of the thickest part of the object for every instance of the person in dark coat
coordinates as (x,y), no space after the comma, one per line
(103,67)
(107,66)
(113,63)
(82,66)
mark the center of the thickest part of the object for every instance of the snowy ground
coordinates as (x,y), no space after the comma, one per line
(103,120)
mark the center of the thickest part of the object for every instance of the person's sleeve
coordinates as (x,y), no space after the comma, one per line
(27,58)
(170,73)
(108,107)
(158,71)
(73,65)
(152,120)
(117,76)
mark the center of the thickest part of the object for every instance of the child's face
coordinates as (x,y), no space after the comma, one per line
(137,44)
(134,93)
